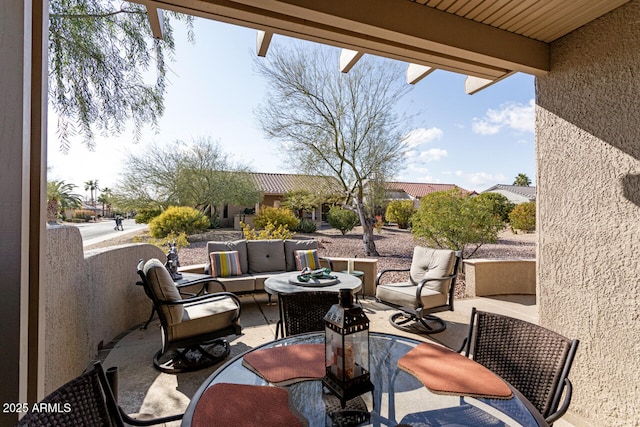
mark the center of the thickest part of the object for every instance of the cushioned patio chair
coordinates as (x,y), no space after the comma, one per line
(429,289)
(191,324)
(533,359)
(302,312)
(86,401)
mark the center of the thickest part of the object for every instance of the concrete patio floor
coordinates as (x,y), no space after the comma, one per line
(145,391)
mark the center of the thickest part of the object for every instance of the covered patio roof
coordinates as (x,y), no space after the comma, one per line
(487,40)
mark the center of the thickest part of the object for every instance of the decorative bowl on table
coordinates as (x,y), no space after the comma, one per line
(308,277)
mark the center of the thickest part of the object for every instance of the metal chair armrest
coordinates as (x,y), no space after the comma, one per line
(200,298)
(423,281)
(328,260)
(555,416)
(132,421)
(389,270)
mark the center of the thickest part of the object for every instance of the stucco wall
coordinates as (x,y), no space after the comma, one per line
(588,151)
(485,277)
(91,298)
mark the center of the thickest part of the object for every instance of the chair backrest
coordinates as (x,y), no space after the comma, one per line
(160,287)
(428,263)
(84,401)
(304,311)
(533,359)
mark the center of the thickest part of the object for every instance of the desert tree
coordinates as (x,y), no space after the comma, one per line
(455,220)
(196,174)
(100,55)
(335,124)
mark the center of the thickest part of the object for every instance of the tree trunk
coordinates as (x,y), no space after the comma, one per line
(53,207)
(367,230)
(367,238)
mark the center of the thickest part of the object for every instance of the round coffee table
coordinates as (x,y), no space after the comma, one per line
(281,284)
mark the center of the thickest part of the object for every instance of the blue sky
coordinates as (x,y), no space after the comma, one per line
(474,141)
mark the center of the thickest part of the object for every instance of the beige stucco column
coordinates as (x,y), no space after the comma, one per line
(588,160)
(22,187)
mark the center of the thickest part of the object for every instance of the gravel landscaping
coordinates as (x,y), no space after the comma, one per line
(395,247)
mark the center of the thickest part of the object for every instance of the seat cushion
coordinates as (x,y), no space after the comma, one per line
(202,317)
(239,284)
(261,277)
(236,245)
(265,255)
(290,246)
(307,258)
(430,263)
(164,288)
(404,294)
(225,264)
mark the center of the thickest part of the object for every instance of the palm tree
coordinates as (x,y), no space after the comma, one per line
(522,180)
(60,196)
(92,186)
(105,199)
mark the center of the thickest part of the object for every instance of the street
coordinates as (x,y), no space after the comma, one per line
(95,232)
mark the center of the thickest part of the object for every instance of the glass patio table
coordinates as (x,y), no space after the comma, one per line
(398,397)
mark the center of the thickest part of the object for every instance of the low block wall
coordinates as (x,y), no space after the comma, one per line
(485,277)
(367,265)
(91,298)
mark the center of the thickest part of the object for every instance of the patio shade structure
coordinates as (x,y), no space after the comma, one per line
(586,103)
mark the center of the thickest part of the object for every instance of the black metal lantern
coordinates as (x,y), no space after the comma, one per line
(347,349)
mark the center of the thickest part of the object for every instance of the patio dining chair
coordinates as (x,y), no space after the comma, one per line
(428,289)
(87,400)
(302,312)
(193,328)
(533,359)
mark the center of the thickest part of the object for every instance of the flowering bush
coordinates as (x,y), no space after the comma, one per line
(176,220)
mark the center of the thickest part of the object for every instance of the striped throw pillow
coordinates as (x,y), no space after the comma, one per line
(225,264)
(308,258)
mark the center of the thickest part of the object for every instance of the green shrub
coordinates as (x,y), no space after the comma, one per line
(342,219)
(276,216)
(454,220)
(146,215)
(306,226)
(176,220)
(270,231)
(523,217)
(400,212)
(163,243)
(84,215)
(499,204)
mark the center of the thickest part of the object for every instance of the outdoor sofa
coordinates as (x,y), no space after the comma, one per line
(257,260)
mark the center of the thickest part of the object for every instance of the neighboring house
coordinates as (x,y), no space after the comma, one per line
(274,186)
(515,193)
(417,190)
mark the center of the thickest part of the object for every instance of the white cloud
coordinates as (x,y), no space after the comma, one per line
(420,136)
(483,178)
(519,117)
(433,154)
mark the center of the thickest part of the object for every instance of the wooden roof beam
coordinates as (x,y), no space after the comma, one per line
(263,40)
(348,59)
(401,30)
(416,72)
(476,84)
(156,21)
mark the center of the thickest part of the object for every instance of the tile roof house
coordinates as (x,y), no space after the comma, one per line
(273,187)
(279,184)
(416,190)
(515,193)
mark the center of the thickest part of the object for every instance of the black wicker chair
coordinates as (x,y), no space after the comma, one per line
(194,328)
(86,401)
(429,289)
(534,360)
(302,312)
